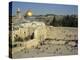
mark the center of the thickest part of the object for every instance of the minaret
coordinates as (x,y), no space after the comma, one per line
(18,13)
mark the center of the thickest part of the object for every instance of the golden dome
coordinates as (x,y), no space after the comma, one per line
(29,13)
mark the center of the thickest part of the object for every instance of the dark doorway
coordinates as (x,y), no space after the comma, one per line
(32,36)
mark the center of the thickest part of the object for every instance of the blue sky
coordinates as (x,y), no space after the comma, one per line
(42,9)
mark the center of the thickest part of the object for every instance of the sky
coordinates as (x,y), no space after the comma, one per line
(43,9)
